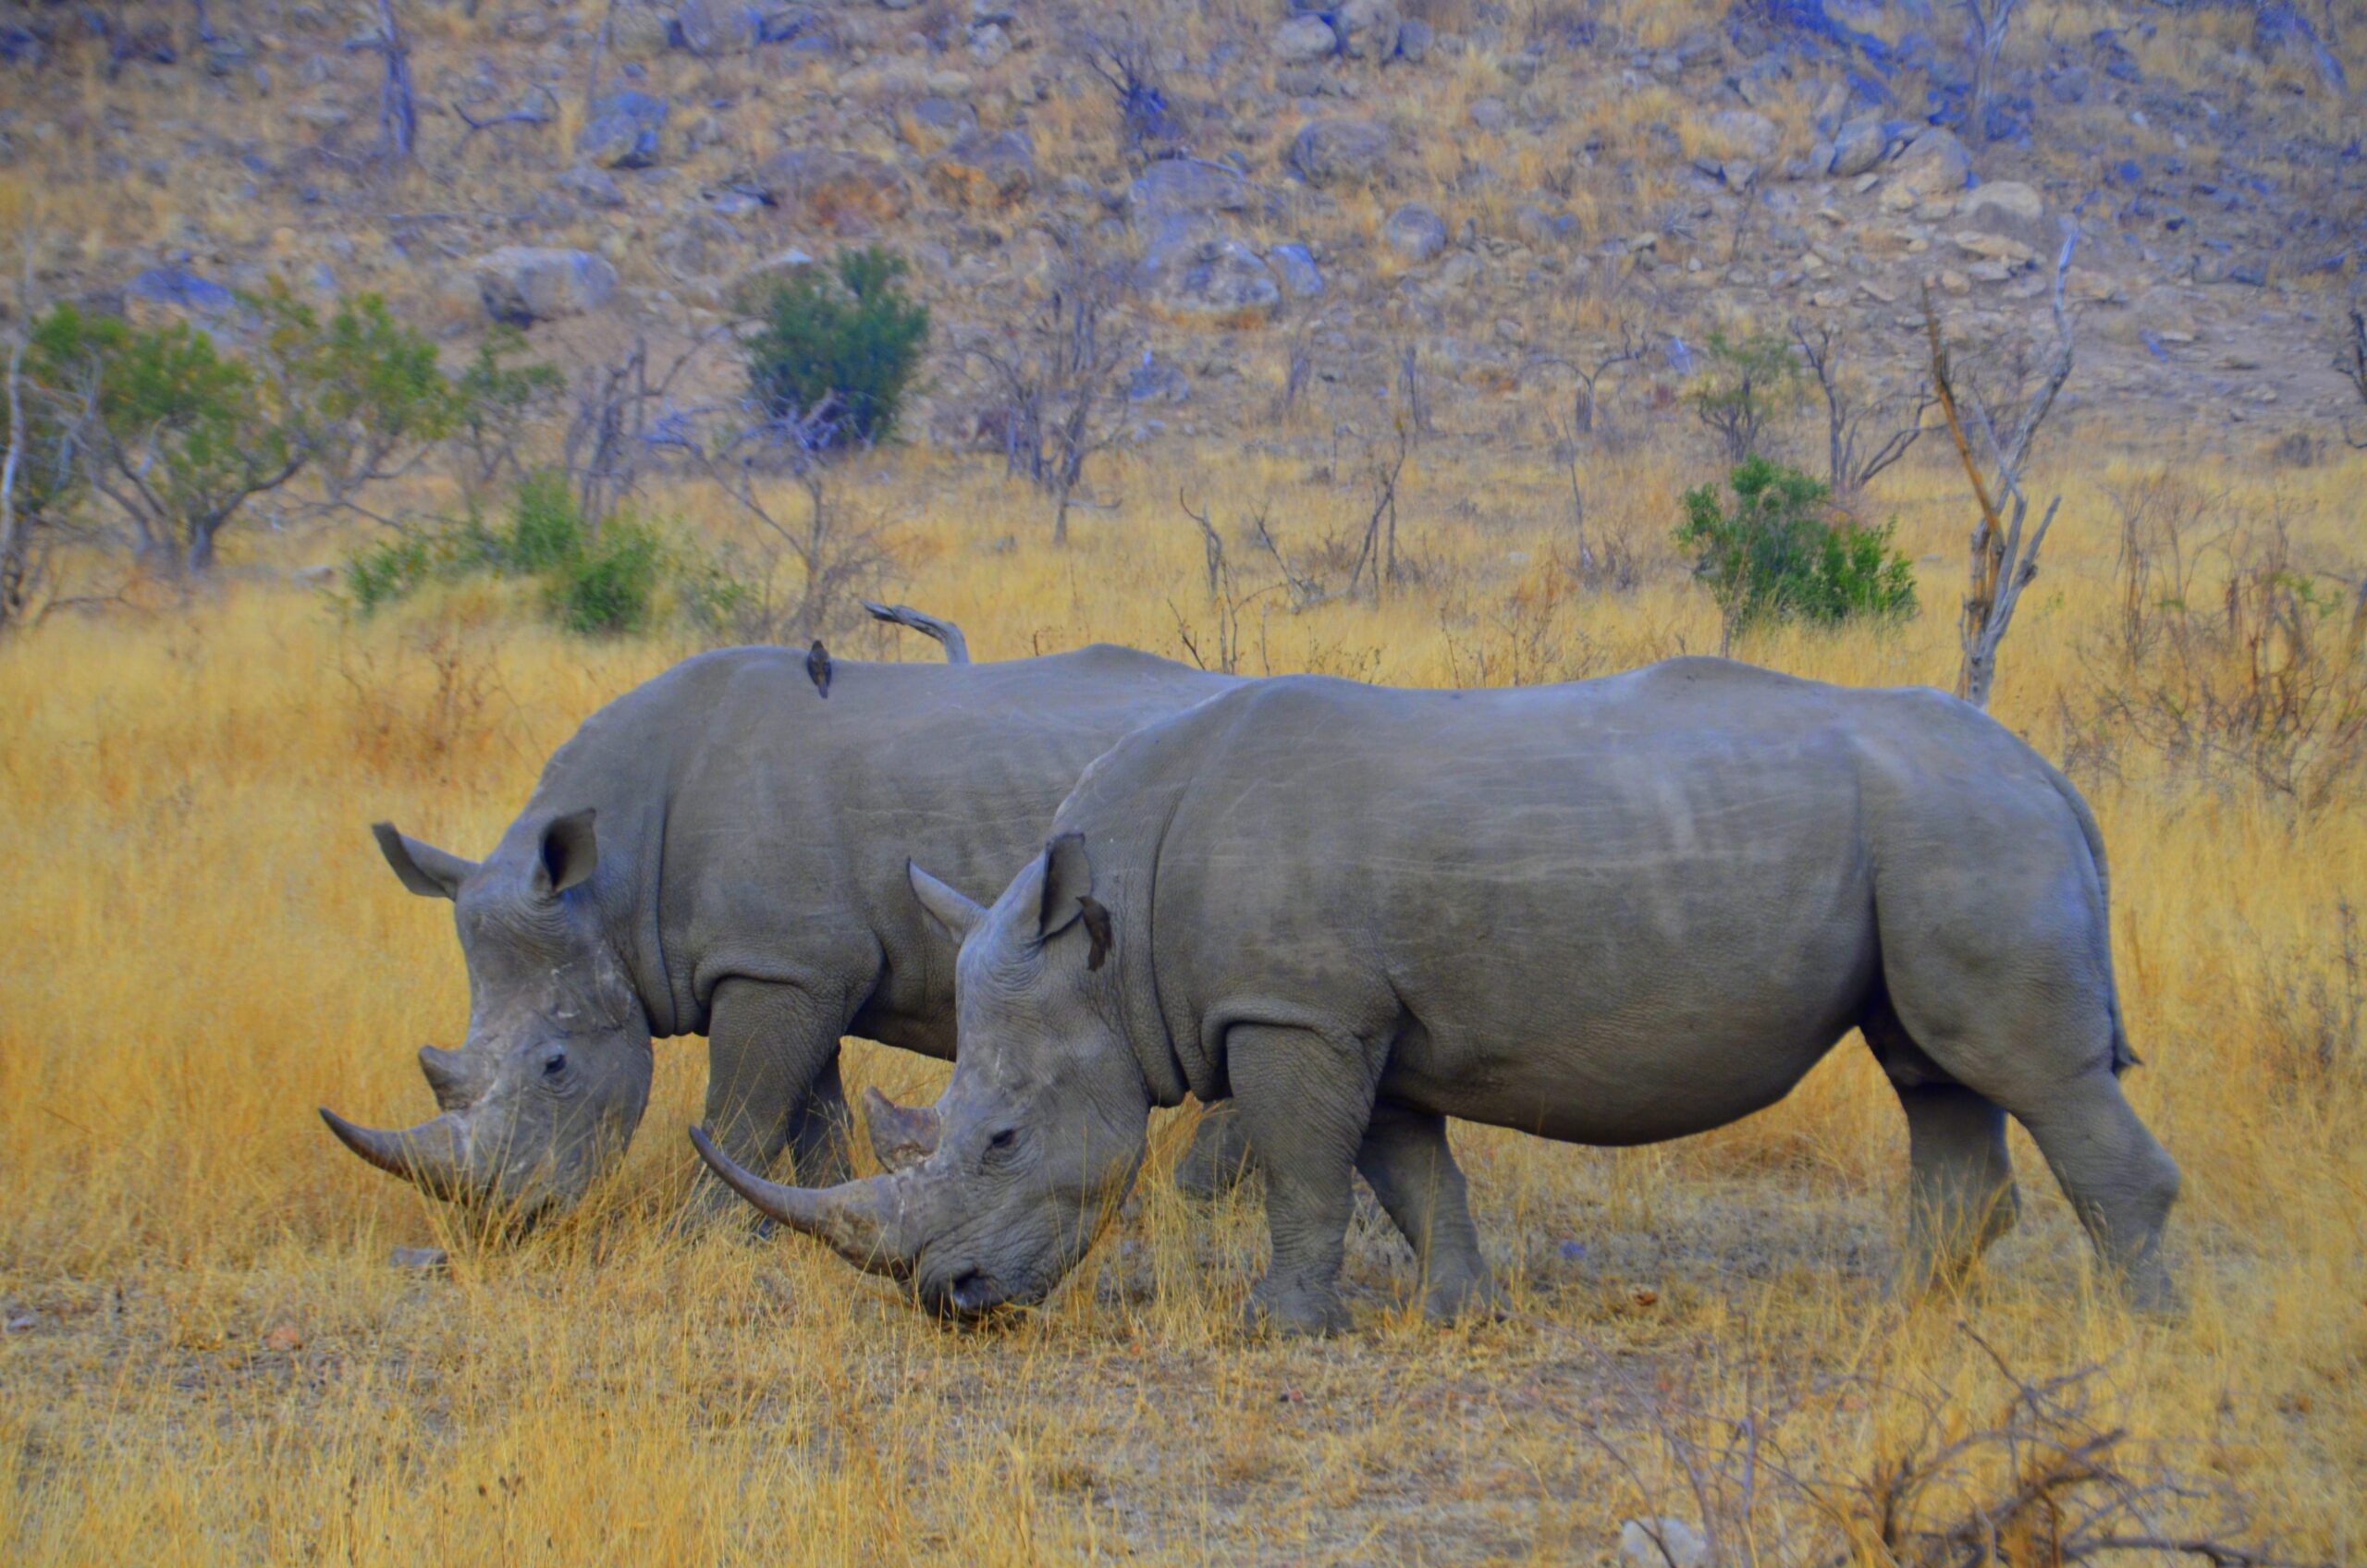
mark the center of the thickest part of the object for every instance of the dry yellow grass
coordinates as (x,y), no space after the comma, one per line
(209,1359)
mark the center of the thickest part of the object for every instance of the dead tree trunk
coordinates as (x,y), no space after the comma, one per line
(957,647)
(397,110)
(2003,561)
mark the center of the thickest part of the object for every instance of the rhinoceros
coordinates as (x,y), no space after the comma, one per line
(1609,913)
(721,852)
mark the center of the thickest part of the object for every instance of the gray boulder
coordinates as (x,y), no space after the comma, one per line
(1295,270)
(717,27)
(845,191)
(1214,283)
(1367,29)
(982,170)
(623,130)
(1413,232)
(1341,151)
(523,284)
(1934,164)
(933,124)
(1303,40)
(1858,146)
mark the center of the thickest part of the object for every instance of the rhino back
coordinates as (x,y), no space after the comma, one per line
(1613,910)
(767,827)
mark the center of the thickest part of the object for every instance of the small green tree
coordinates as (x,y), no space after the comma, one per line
(847,336)
(1778,554)
(183,436)
(1745,384)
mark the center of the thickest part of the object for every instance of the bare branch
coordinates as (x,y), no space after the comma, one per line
(957,647)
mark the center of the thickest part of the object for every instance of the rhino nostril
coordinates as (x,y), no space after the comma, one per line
(968,1292)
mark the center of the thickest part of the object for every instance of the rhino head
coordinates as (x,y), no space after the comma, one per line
(993,1196)
(548,1088)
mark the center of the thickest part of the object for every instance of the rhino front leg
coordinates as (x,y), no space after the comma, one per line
(1305,1102)
(1405,1158)
(773,1084)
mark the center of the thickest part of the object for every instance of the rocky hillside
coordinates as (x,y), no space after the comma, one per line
(1314,210)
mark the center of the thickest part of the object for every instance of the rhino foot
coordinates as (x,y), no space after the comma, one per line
(1473,1296)
(1295,1312)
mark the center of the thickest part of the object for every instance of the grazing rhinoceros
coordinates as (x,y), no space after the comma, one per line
(1609,913)
(721,852)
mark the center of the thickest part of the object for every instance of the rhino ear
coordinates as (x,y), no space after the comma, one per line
(947,906)
(425,869)
(570,855)
(1068,885)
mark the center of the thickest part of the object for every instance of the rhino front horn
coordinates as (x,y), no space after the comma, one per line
(856,1218)
(428,1154)
(900,1138)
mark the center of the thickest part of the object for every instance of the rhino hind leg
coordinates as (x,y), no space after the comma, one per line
(2119,1179)
(1405,1157)
(1960,1181)
(1218,1160)
(1305,1102)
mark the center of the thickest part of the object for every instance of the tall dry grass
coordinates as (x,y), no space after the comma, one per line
(208,1357)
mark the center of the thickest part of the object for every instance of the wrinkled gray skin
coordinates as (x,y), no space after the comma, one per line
(721,852)
(1612,912)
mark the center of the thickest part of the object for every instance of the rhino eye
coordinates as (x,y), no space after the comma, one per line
(1004,1139)
(554,1064)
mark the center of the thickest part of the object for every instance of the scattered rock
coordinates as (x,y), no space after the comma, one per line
(846,191)
(426,1259)
(934,123)
(989,45)
(593,187)
(1340,151)
(1367,29)
(1415,233)
(717,27)
(521,285)
(1489,115)
(1743,133)
(1215,283)
(2004,206)
(1934,164)
(1858,146)
(1158,381)
(1303,40)
(1993,247)
(1663,1543)
(981,170)
(623,130)
(1295,270)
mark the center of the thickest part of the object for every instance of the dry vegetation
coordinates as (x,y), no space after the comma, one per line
(208,1357)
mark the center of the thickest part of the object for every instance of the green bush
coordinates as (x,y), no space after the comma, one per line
(1779,553)
(609,591)
(545,533)
(848,330)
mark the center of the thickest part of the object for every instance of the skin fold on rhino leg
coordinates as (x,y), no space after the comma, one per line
(1305,1103)
(1405,1158)
(772,1084)
(1218,1160)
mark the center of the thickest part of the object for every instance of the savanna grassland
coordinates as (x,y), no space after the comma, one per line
(208,1355)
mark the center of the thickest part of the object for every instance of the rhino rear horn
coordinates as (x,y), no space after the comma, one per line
(425,869)
(900,1138)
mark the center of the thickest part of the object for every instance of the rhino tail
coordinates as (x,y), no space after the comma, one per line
(2123,1056)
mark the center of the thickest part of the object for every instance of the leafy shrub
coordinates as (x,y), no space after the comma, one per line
(847,333)
(607,586)
(609,591)
(546,532)
(1778,555)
